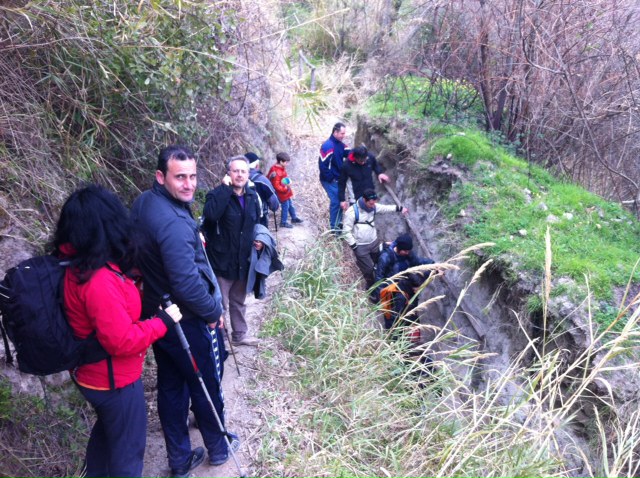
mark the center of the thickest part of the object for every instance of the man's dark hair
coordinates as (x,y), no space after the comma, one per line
(416,279)
(337,127)
(95,223)
(174,151)
(360,152)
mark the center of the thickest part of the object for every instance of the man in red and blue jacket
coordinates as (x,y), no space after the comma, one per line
(330,161)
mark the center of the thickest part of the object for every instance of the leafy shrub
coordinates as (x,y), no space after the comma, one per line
(90,90)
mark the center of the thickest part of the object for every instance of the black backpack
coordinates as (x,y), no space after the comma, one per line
(32,307)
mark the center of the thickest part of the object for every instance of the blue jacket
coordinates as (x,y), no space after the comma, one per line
(330,161)
(390,263)
(172,258)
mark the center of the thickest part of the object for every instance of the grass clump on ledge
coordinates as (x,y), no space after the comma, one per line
(419,97)
(510,202)
(363,412)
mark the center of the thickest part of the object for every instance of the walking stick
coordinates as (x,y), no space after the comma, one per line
(166,302)
(425,250)
(414,230)
(224,327)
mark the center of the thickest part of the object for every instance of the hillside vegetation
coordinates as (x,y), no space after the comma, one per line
(361,408)
(91,91)
(535,108)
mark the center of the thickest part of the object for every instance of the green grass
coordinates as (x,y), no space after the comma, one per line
(42,437)
(511,203)
(358,410)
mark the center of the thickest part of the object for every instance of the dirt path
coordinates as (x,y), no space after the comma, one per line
(244,414)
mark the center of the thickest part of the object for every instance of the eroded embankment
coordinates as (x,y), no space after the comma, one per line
(494,316)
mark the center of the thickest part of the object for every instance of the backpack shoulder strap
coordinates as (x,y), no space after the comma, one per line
(356,211)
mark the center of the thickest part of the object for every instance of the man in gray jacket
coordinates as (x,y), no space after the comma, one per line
(172,260)
(359,231)
(263,187)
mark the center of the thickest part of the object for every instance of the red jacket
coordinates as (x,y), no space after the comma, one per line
(276,174)
(109,303)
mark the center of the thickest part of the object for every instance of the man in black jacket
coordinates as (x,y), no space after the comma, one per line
(358,170)
(231,212)
(172,260)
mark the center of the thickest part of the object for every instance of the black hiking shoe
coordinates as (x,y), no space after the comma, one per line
(297,220)
(197,457)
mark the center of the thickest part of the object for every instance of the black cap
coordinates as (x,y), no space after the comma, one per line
(404,242)
(369,194)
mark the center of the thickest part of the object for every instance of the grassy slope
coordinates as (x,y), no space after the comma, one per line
(512,203)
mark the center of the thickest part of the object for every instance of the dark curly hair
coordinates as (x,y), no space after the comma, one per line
(96,224)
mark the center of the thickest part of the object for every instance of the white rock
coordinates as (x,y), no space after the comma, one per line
(568,216)
(552,219)
(522,232)
(543,207)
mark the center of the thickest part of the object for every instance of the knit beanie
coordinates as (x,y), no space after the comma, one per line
(253,158)
(404,242)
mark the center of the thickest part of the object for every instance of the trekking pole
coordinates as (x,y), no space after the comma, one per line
(224,326)
(166,302)
(233,352)
(415,232)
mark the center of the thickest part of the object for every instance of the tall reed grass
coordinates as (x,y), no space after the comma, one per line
(364,411)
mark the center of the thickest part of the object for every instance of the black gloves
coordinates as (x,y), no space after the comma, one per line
(166,318)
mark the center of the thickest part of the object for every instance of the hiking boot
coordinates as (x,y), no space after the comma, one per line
(288,225)
(217,460)
(197,457)
(253,341)
(297,220)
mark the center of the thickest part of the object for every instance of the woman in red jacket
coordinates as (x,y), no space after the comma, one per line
(93,232)
(282,184)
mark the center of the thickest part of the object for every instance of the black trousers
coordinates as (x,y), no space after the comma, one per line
(178,382)
(118,438)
